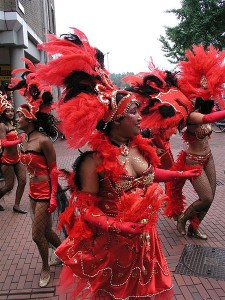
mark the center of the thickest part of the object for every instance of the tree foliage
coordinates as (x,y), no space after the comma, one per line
(116,79)
(200,22)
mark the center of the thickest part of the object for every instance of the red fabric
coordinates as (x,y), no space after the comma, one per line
(35,163)
(213,117)
(54,187)
(5,143)
(176,199)
(101,263)
(110,262)
(169,175)
(10,158)
(40,190)
(12,135)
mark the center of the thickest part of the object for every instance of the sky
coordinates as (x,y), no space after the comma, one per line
(126,31)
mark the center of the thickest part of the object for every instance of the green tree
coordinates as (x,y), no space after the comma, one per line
(200,22)
(116,79)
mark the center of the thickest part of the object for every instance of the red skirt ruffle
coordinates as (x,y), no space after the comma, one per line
(114,266)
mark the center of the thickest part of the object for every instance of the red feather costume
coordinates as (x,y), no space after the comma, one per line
(155,92)
(201,75)
(105,262)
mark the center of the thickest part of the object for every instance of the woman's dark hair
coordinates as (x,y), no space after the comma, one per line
(45,122)
(78,82)
(204,106)
(77,165)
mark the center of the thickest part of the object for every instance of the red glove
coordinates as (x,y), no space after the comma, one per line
(96,217)
(54,183)
(162,175)
(213,117)
(6,143)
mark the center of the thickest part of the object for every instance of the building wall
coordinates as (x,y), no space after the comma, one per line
(23,25)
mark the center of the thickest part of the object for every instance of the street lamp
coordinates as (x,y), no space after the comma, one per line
(107,58)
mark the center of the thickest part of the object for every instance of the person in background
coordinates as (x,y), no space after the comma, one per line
(10,162)
(201,79)
(164,108)
(113,249)
(38,155)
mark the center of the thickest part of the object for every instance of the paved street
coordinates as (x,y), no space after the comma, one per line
(20,264)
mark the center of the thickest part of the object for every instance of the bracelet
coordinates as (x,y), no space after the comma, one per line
(113,229)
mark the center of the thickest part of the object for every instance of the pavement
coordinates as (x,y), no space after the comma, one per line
(20,264)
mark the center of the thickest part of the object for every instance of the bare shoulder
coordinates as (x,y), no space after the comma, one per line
(44,138)
(2,127)
(89,162)
(195,117)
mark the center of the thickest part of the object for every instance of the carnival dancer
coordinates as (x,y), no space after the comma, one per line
(201,79)
(38,155)
(113,249)
(10,162)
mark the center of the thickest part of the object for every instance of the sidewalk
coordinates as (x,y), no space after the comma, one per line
(20,264)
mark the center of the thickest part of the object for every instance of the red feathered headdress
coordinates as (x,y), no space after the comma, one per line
(154,92)
(37,94)
(4,103)
(203,74)
(89,95)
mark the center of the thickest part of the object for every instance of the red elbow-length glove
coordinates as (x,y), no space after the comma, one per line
(97,218)
(213,117)
(5,143)
(54,184)
(162,175)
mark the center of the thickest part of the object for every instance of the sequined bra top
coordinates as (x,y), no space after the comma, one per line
(110,191)
(35,162)
(201,132)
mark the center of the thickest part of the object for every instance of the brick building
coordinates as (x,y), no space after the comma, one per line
(23,25)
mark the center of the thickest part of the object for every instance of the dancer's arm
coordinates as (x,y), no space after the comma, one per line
(198,118)
(7,144)
(162,175)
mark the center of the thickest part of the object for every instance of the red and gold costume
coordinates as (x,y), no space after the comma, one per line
(108,251)
(113,263)
(36,165)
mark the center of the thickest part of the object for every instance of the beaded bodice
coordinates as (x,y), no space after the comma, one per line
(112,191)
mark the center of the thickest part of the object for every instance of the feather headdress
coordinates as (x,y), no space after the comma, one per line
(163,105)
(4,103)
(89,95)
(203,74)
(37,94)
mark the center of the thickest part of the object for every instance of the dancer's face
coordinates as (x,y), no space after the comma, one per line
(130,124)
(22,122)
(9,114)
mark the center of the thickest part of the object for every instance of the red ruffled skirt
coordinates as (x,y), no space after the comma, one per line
(115,266)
